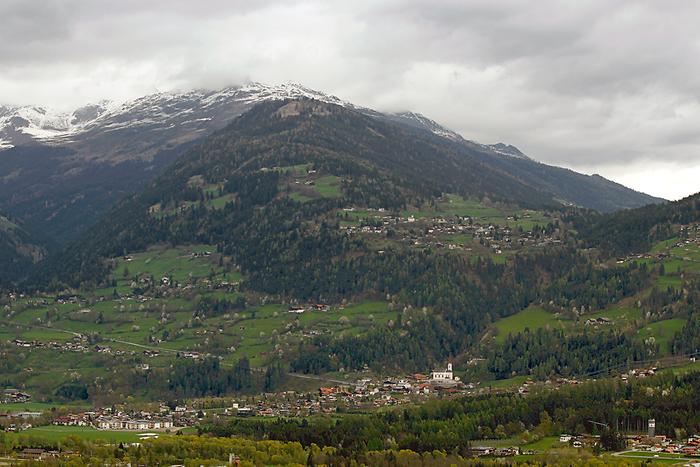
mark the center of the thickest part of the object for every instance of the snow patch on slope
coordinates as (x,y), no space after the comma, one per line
(33,123)
(424,122)
(174,115)
(22,125)
(506,150)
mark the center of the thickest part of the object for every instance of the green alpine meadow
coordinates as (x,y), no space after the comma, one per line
(202,269)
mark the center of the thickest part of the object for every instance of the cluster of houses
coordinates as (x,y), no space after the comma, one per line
(299,309)
(18,421)
(580,441)
(14,396)
(75,345)
(527,386)
(433,232)
(326,401)
(481,451)
(106,419)
(361,395)
(660,443)
(639,373)
(690,237)
(649,442)
(127,423)
(416,383)
(165,419)
(79,344)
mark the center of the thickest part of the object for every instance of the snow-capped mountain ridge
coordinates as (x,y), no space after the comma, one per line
(24,124)
(68,167)
(139,128)
(30,124)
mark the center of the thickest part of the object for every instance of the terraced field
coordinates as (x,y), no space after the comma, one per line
(530,318)
(304,184)
(169,323)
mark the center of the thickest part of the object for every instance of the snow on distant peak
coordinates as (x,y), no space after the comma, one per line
(424,122)
(88,113)
(506,150)
(27,123)
(170,114)
(258,92)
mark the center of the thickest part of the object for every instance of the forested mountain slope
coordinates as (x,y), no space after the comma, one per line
(62,171)
(276,193)
(378,164)
(569,187)
(18,251)
(52,193)
(636,230)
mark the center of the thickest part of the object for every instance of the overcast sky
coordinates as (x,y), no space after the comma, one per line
(608,87)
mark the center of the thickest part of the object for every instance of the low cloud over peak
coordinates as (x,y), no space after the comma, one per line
(602,86)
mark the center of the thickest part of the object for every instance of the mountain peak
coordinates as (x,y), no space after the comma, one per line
(421,121)
(29,124)
(257,92)
(190,111)
(507,150)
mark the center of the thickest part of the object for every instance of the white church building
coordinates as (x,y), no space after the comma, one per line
(443,375)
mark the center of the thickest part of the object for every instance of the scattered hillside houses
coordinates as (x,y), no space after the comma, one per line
(598,321)
(639,373)
(299,309)
(440,232)
(14,396)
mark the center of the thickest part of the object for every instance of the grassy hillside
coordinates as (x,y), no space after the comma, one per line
(311,238)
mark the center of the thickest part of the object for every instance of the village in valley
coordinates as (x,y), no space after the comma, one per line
(333,397)
(454,232)
(364,394)
(170,304)
(186,301)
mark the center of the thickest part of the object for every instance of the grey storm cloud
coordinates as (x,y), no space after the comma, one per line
(600,86)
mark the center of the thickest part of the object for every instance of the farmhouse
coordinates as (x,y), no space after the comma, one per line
(245,412)
(36,454)
(72,420)
(598,321)
(481,450)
